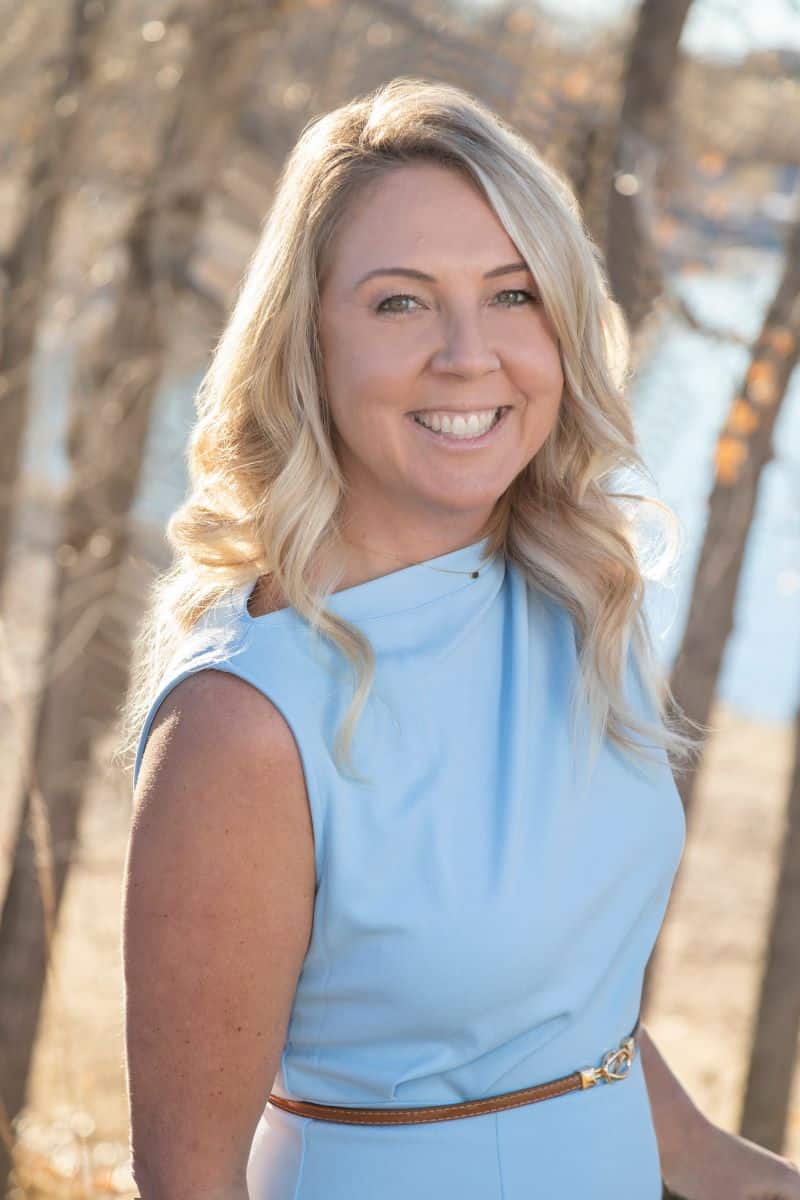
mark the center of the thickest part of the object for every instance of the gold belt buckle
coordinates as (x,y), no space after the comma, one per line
(616,1064)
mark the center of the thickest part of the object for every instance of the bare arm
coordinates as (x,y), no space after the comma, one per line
(218,908)
(701,1159)
(677,1119)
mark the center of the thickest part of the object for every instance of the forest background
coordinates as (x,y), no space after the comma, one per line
(139,146)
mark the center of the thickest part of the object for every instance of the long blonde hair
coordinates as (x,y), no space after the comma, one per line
(266,486)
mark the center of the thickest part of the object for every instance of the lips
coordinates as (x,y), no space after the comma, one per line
(466,444)
(456,412)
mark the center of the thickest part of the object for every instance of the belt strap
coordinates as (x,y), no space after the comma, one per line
(616,1064)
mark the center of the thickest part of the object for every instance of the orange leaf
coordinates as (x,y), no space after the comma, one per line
(667,228)
(711,163)
(741,419)
(519,21)
(780,339)
(575,83)
(730,455)
(760,383)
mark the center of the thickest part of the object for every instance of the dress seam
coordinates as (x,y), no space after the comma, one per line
(499,1160)
(300,1169)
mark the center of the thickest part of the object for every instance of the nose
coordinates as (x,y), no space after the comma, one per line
(465,349)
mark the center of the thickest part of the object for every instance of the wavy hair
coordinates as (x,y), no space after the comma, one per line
(266,486)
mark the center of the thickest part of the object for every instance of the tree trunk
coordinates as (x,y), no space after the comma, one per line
(112,399)
(744,447)
(23,268)
(630,251)
(767,1095)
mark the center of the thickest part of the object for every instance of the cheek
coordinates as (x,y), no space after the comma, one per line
(362,381)
(556,374)
(549,357)
(365,397)
(540,373)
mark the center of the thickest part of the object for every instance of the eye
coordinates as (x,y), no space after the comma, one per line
(400,296)
(530,298)
(382,308)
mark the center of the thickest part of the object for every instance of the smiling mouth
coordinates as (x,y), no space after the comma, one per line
(466,436)
(457,412)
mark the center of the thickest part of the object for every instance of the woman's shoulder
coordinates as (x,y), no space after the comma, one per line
(214,725)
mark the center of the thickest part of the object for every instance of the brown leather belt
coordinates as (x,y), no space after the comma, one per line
(616,1064)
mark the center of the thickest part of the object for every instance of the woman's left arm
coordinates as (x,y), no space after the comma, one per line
(699,1160)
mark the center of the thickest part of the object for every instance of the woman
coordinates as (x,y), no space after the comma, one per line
(436,878)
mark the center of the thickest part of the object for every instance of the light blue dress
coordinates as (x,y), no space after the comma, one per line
(481,922)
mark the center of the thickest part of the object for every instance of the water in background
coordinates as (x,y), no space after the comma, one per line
(720,31)
(680,399)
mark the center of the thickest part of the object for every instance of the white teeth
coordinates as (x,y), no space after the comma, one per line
(467,426)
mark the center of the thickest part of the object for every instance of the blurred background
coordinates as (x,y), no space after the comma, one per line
(139,145)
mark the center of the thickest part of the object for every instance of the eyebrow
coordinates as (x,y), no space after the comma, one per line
(410,273)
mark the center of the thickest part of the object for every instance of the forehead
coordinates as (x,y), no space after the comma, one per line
(421,215)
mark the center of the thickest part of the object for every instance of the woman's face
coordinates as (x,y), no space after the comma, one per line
(448,324)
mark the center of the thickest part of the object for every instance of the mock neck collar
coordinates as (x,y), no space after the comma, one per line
(407,588)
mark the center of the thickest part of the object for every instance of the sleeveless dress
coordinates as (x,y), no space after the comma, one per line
(482,922)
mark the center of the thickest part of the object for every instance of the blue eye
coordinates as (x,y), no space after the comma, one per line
(529,298)
(519,292)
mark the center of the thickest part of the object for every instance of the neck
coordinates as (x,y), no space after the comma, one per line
(367,557)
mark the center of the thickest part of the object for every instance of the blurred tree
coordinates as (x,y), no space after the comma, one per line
(630,250)
(767,1093)
(116,379)
(23,266)
(744,447)
(337,50)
